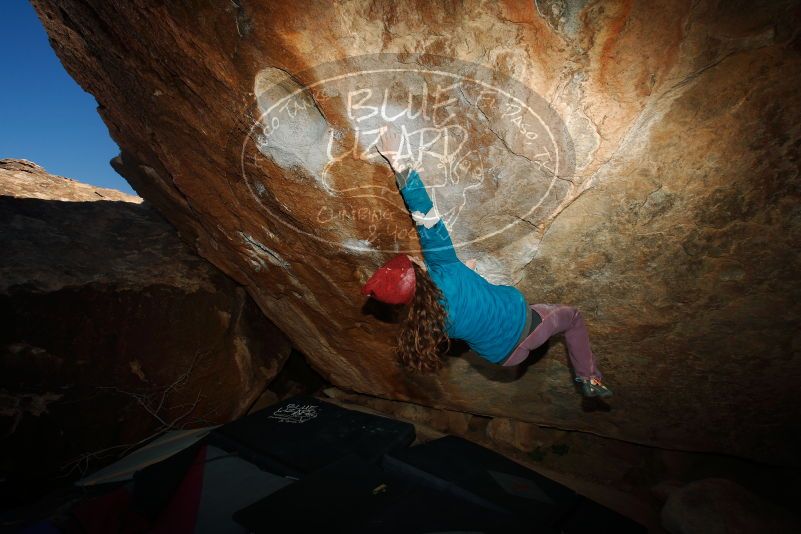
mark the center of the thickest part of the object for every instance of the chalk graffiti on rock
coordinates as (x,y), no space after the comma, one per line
(456,123)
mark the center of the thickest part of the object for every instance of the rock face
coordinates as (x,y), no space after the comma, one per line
(636,159)
(717,505)
(112,328)
(25,179)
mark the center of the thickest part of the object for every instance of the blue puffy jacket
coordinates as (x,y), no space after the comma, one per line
(489,318)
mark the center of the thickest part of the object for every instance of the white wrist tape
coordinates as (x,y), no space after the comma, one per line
(429,219)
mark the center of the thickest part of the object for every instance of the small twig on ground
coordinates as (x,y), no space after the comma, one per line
(154,403)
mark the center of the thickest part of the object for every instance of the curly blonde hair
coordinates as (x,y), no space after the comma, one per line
(423,340)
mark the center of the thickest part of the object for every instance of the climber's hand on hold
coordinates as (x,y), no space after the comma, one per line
(388,146)
(390,141)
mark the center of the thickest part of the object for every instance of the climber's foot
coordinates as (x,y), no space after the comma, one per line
(593,387)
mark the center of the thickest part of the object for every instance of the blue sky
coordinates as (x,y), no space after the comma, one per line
(45,116)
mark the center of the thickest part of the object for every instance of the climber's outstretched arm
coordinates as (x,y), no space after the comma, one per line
(434,237)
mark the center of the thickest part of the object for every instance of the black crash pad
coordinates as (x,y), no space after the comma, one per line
(486,478)
(354,496)
(304,434)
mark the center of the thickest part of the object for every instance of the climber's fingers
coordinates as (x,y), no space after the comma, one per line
(389,143)
(392,146)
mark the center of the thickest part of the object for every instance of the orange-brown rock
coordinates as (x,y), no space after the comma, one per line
(26,179)
(638,159)
(113,330)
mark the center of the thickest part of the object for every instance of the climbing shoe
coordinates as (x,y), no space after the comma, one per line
(592,387)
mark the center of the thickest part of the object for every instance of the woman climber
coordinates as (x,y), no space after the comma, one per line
(448,299)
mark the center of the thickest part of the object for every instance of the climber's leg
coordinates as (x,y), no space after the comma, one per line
(534,340)
(557,319)
(570,321)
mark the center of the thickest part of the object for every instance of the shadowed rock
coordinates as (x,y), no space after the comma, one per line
(113,330)
(717,505)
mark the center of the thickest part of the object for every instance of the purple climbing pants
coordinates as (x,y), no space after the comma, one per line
(558,318)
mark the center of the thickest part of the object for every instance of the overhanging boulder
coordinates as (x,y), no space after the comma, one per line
(672,223)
